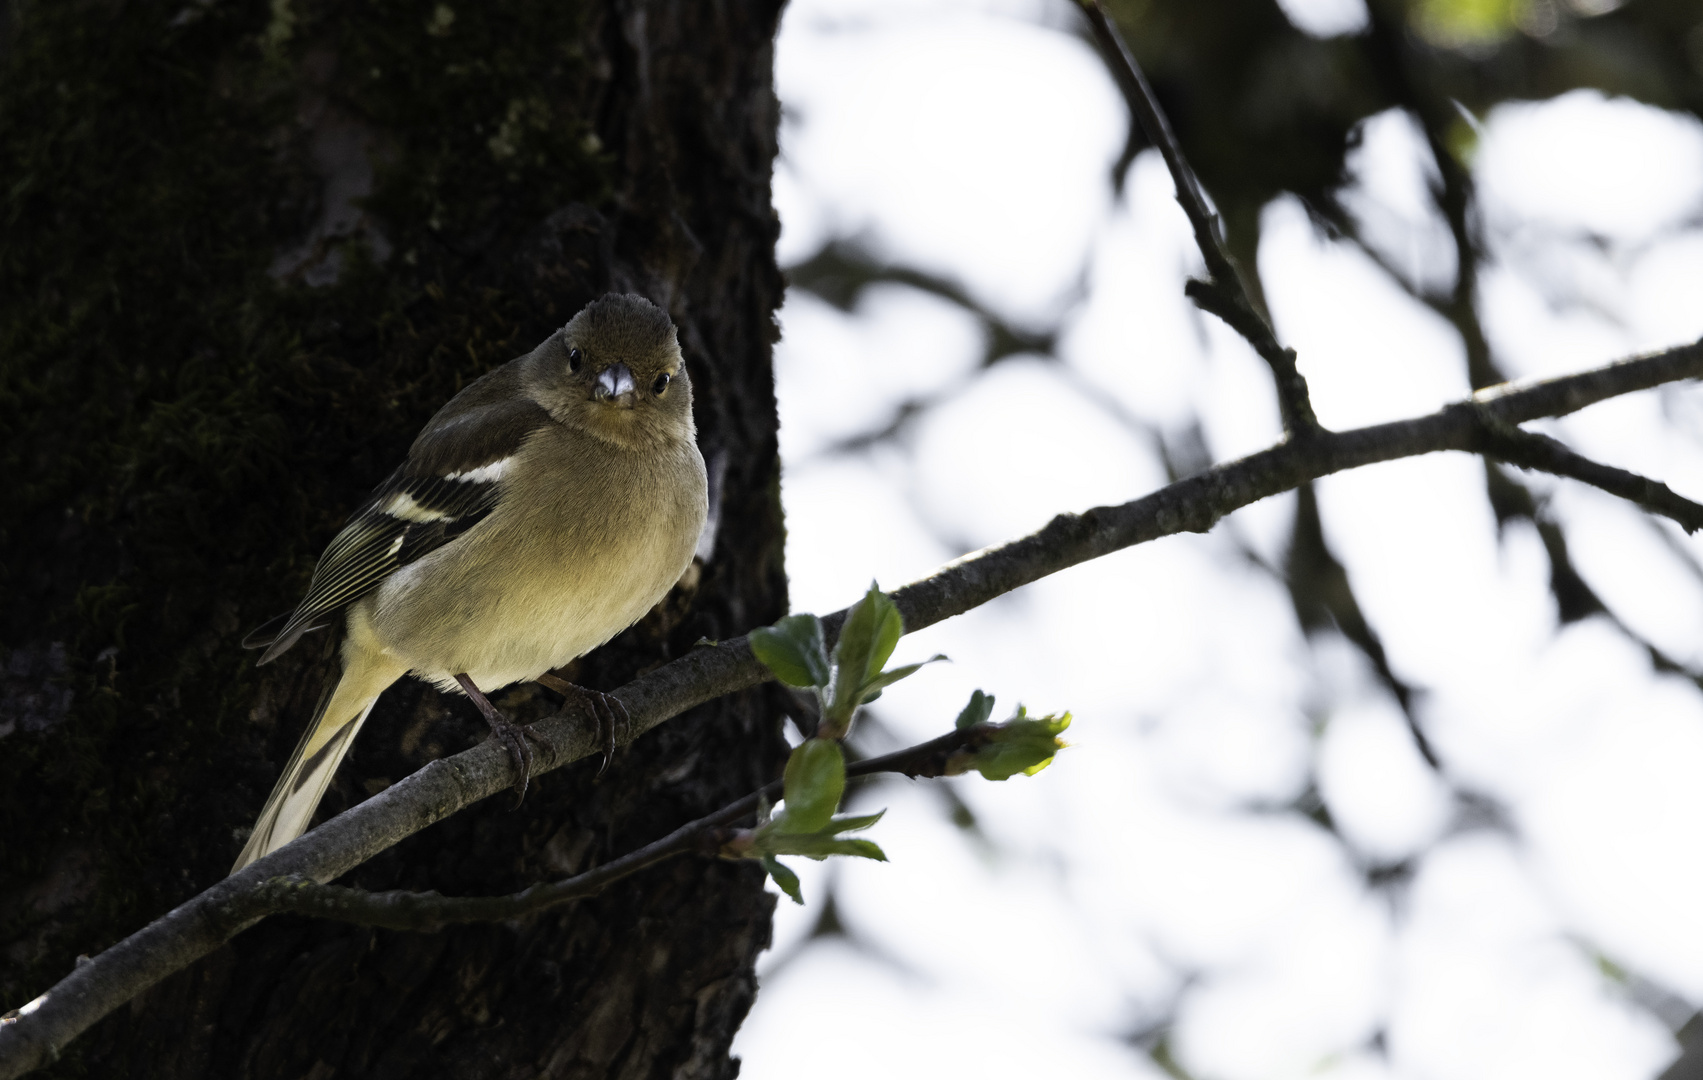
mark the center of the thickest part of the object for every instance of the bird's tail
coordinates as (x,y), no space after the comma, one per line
(292,803)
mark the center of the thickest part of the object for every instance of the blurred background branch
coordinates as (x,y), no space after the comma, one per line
(1425,197)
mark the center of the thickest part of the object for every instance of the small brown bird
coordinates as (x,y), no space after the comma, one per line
(541,512)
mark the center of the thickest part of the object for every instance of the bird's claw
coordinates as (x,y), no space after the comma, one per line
(606,710)
(513,736)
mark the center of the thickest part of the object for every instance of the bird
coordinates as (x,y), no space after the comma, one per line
(544,509)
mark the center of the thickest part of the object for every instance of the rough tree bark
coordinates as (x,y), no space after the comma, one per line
(250,247)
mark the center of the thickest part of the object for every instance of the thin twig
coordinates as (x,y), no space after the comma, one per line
(1397,64)
(1224,293)
(430,911)
(204,922)
(1531,450)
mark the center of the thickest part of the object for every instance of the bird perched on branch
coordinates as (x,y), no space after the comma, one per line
(541,512)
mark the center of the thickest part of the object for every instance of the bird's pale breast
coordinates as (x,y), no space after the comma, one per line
(598,535)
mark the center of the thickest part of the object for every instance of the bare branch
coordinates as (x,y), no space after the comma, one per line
(1323,599)
(1224,293)
(1397,64)
(1194,504)
(429,911)
(195,928)
(843,270)
(1531,450)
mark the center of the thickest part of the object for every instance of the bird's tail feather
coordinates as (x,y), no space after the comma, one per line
(293,801)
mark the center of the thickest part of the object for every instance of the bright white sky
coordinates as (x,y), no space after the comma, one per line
(1138,879)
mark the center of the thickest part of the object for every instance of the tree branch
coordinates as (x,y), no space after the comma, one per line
(1224,293)
(430,911)
(1398,64)
(201,924)
(1538,452)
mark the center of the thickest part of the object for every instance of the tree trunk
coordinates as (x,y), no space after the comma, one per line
(249,249)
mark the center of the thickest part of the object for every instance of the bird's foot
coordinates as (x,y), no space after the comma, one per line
(513,736)
(605,709)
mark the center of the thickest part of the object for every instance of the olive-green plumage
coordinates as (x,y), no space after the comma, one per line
(542,511)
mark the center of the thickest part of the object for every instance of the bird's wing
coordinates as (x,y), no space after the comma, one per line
(450,481)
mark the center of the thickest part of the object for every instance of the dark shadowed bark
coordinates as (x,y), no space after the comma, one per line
(249,249)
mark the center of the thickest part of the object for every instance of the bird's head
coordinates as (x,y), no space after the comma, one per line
(616,372)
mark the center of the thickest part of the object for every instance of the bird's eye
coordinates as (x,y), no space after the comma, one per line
(660,384)
(574,359)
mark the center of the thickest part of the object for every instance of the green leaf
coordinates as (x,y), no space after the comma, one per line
(775,838)
(814,781)
(853,824)
(888,678)
(794,650)
(976,712)
(786,879)
(889,628)
(871,631)
(818,846)
(1020,745)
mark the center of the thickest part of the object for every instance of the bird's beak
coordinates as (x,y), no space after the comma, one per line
(615,385)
